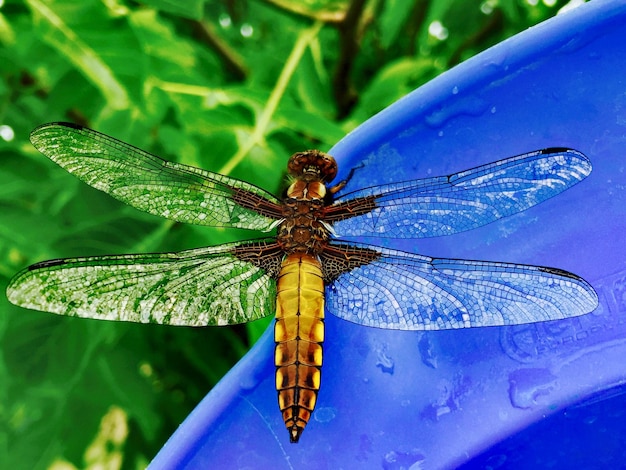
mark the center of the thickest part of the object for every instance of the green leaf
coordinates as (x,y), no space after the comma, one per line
(393,17)
(393,82)
(171,55)
(312,125)
(188,9)
(68,42)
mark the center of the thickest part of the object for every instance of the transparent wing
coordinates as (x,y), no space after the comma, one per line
(445,205)
(205,286)
(167,189)
(411,292)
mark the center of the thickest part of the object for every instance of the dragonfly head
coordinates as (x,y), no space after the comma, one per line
(312,165)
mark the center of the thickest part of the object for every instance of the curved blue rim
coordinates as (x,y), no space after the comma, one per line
(391,399)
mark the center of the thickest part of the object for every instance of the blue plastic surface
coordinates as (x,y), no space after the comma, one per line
(392,399)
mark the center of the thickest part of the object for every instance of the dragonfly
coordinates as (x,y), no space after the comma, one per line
(307,267)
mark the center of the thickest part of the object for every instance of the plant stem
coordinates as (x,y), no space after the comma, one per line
(263,121)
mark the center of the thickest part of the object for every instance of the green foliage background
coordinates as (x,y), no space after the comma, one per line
(232,86)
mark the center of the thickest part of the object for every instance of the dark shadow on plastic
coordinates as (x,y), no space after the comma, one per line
(430,400)
(591,435)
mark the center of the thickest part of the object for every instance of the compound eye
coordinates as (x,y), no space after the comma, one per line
(313,164)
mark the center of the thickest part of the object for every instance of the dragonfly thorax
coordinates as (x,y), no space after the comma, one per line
(302,190)
(302,229)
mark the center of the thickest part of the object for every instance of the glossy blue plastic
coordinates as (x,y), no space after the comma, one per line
(532,396)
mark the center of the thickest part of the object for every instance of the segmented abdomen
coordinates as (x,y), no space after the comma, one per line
(299,333)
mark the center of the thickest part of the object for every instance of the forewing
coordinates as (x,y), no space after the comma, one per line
(445,205)
(142,180)
(405,291)
(221,285)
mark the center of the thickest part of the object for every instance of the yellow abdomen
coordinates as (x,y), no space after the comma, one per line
(299,333)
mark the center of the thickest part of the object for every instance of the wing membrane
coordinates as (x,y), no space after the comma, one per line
(204,286)
(411,292)
(450,204)
(142,180)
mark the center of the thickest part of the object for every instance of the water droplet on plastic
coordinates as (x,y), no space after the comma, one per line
(325,414)
(470,106)
(384,361)
(526,386)
(590,419)
(399,460)
(427,353)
